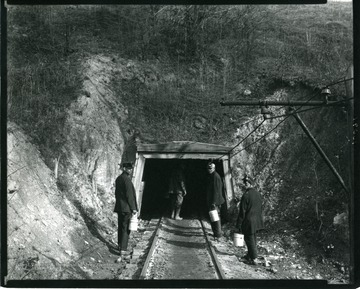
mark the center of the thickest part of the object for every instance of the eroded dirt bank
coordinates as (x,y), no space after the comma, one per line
(60,219)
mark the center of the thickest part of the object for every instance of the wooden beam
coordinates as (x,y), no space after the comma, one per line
(203,156)
(183,147)
(137,178)
(228,184)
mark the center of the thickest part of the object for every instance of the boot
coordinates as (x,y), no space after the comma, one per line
(125,255)
(177,215)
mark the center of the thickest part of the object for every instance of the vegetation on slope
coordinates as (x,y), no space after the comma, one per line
(208,53)
(184,60)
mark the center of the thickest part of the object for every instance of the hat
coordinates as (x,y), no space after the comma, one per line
(127,165)
(211,166)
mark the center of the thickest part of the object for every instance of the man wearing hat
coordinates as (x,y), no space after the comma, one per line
(178,191)
(214,196)
(125,206)
(250,219)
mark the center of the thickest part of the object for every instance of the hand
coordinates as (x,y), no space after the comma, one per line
(134,212)
(212,207)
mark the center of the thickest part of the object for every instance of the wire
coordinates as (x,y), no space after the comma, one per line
(342,80)
(260,125)
(261,137)
(247,136)
(286,117)
(310,98)
(311,108)
(319,92)
(257,128)
(253,119)
(242,140)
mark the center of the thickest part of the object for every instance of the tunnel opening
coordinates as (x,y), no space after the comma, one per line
(156,178)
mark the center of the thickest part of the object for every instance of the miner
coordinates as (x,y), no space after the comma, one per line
(250,220)
(125,207)
(214,197)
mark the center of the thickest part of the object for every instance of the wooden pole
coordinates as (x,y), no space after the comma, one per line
(321,152)
(349,86)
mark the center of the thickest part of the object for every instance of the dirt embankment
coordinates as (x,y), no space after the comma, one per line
(42,223)
(57,212)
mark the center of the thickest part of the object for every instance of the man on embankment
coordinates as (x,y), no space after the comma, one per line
(125,207)
(250,219)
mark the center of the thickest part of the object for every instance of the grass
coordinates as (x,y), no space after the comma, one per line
(297,45)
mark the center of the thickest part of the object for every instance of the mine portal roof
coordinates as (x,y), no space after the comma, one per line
(183,147)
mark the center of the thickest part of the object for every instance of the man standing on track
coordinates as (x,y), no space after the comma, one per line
(177,191)
(125,207)
(250,219)
(214,198)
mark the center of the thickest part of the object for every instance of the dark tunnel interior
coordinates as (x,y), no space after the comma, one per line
(156,179)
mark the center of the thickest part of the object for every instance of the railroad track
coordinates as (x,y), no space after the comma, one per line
(181,249)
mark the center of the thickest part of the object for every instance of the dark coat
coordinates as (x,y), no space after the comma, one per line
(214,190)
(125,194)
(250,215)
(177,182)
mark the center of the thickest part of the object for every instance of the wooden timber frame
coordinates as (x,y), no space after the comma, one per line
(182,150)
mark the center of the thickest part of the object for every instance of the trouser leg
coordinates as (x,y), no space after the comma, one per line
(167,208)
(123,230)
(172,205)
(177,212)
(179,202)
(216,226)
(250,241)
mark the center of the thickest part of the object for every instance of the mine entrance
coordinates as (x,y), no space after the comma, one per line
(156,178)
(153,167)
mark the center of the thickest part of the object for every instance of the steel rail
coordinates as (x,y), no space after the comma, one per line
(219,271)
(151,251)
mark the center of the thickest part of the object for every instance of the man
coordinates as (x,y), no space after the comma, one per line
(125,207)
(177,191)
(214,198)
(250,219)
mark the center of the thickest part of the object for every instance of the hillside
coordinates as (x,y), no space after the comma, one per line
(84,81)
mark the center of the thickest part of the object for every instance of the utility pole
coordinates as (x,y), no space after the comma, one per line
(349,86)
(326,92)
(320,151)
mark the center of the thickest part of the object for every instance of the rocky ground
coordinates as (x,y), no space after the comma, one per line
(280,259)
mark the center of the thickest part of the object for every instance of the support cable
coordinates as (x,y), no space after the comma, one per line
(286,117)
(294,111)
(250,133)
(261,137)
(258,127)
(342,80)
(307,109)
(315,94)
(251,120)
(321,152)
(242,140)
